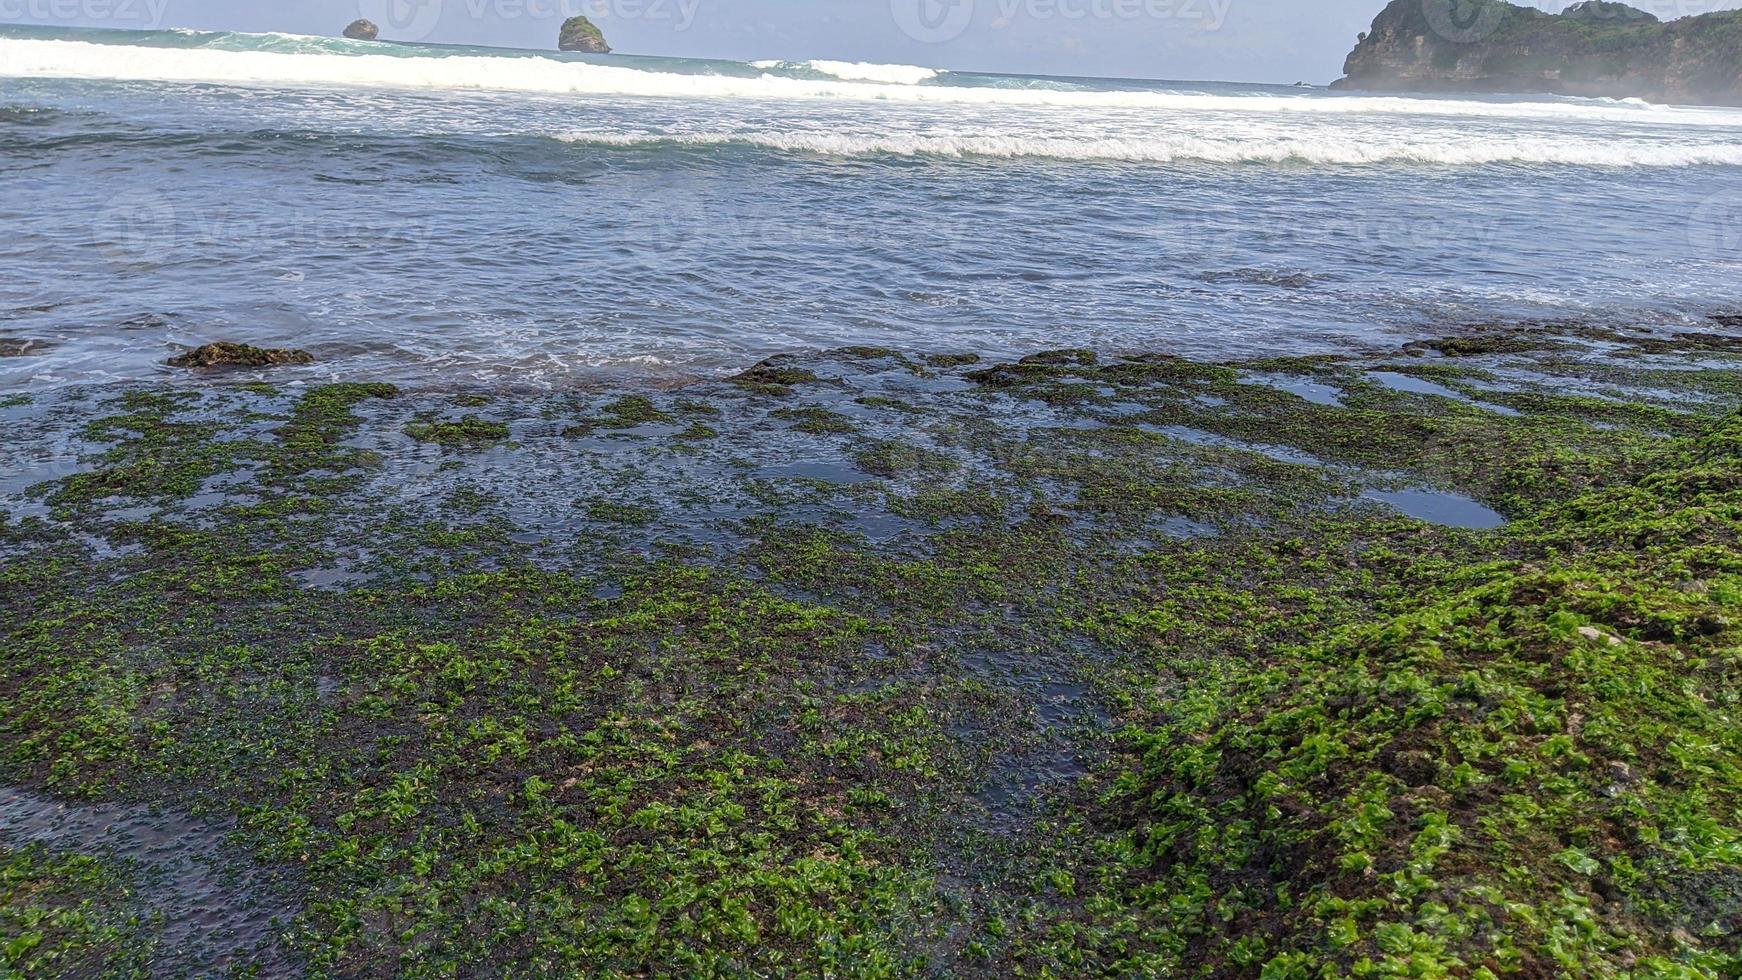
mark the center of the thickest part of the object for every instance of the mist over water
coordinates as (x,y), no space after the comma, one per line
(447,215)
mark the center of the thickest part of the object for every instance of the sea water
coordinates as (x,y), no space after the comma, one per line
(446,214)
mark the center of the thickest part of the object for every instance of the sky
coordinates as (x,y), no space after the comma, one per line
(1240,40)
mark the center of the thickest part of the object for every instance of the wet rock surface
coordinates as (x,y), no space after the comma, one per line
(212,910)
(226,354)
(19,347)
(865,657)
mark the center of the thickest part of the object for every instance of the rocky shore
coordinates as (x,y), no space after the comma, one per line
(1417,662)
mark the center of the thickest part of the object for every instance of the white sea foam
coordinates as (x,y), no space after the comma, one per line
(78,59)
(860,71)
(1321,149)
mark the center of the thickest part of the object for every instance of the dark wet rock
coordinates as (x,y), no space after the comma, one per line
(1413,766)
(469,432)
(773,377)
(1480,344)
(146,321)
(1071,356)
(226,354)
(209,910)
(865,352)
(951,360)
(22,347)
(393,665)
(362,30)
(1262,277)
(1011,375)
(581,34)
(1727,319)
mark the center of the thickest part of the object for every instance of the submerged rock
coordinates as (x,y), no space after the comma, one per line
(362,30)
(19,347)
(581,34)
(226,354)
(146,321)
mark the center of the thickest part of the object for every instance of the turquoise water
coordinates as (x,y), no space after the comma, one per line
(442,214)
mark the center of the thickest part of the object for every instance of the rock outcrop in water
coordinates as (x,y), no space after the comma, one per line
(1595,48)
(581,34)
(362,30)
(227,354)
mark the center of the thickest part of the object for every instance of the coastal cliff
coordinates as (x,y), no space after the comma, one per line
(1592,49)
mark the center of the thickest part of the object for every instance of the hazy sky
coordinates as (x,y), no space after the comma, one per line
(1252,40)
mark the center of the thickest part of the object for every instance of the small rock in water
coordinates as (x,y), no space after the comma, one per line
(16,347)
(225,354)
(146,321)
(362,30)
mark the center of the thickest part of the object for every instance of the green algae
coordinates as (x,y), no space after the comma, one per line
(770,378)
(816,421)
(1047,730)
(1533,769)
(469,432)
(951,360)
(632,410)
(69,915)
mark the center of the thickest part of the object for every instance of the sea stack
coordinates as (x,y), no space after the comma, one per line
(581,34)
(362,30)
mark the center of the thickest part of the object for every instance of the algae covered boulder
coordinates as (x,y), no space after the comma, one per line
(226,354)
(581,34)
(362,30)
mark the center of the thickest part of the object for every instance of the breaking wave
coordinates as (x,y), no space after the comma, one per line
(857,71)
(1349,151)
(293,61)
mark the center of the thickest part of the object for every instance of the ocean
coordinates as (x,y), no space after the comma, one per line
(436,215)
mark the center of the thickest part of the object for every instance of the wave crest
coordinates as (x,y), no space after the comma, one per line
(858,71)
(1183,149)
(552,75)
